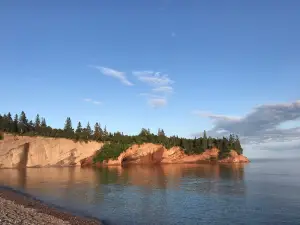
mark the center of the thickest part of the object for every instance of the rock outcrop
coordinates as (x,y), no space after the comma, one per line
(157,154)
(18,151)
(234,158)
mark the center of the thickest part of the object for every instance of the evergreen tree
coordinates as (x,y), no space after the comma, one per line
(204,141)
(9,118)
(105,133)
(68,129)
(43,123)
(190,146)
(37,122)
(1,122)
(68,125)
(88,129)
(144,132)
(161,132)
(237,145)
(23,123)
(7,123)
(79,128)
(31,126)
(23,118)
(15,128)
(97,132)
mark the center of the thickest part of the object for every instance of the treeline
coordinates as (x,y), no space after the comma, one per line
(20,125)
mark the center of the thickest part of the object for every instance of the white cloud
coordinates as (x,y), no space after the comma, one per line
(97,102)
(261,127)
(215,116)
(163,89)
(114,73)
(153,78)
(92,101)
(157,102)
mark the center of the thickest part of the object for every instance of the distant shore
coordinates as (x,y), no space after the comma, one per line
(20,208)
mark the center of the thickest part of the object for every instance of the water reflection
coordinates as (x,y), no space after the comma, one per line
(170,194)
(208,178)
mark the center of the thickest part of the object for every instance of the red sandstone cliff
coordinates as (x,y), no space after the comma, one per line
(149,153)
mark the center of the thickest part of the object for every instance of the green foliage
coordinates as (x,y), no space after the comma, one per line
(1,135)
(79,128)
(37,121)
(118,142)
(110,151)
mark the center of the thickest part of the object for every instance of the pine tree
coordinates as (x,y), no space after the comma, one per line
(23,118)
(23,123)
(31,126)
(7,123)
(68,129)
(37,122)
(231,141)
(15,128)
(88,129)
(97,132)
(105,133)
(79,128)
(161,132)
(68,125)
(237,145)
(43,123)
(204,141)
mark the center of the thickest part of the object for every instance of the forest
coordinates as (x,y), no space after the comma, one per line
(116,142)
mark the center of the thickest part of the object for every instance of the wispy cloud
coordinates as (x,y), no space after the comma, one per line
(261,127)
(92,101)
(215,116)
(114,73)
(153,78)
(157,102)
(161,87)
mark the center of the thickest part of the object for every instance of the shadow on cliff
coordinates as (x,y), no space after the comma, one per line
(24,157)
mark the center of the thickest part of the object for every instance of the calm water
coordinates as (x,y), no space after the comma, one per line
(262,192)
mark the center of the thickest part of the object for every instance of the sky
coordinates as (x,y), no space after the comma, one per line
(184,66)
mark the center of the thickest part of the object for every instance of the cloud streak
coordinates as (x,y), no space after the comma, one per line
(121,76)
(153,78)
(157,102)
(163,89)
(160,84)
(92,101)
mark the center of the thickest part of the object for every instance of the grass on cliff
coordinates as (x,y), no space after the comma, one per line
(110,151)
(1,136)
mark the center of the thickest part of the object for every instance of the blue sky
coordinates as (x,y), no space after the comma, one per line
(183,66)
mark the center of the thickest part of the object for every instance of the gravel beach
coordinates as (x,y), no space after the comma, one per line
(18,208)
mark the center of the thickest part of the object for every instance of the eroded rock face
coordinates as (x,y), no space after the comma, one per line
(147,153)
(157,154)
(235,158)
(18,151)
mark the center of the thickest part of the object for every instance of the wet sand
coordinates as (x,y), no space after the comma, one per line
(19,208)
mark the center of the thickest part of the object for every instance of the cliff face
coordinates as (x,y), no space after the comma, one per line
(18,151)
(155,154)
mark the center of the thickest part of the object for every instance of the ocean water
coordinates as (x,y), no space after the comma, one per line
(261,192)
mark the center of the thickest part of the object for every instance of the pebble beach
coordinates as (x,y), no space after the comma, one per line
(18,208)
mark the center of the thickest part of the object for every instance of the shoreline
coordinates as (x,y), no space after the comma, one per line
(16,203)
